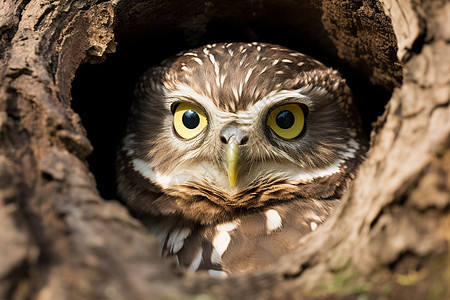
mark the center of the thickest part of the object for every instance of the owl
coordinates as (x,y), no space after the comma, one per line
(235,151)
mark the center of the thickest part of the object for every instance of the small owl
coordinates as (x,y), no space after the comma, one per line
(234,152)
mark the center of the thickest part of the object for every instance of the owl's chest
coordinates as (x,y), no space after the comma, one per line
(248,243)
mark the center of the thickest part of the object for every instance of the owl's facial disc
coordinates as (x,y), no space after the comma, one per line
(233,167)
(223,128)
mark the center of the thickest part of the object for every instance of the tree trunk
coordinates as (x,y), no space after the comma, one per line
(61,240)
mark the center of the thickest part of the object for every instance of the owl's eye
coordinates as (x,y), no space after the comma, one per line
(188,120)
(287,121)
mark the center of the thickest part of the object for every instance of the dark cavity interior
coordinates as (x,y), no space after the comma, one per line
(147,34)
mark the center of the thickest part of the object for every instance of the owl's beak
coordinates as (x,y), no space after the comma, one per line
(232,160)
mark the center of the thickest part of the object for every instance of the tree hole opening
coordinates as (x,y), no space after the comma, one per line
(148,34)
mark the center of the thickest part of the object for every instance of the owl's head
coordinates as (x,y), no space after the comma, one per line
(227,128)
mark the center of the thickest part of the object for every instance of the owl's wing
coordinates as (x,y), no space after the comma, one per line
(261,239)
(248,243)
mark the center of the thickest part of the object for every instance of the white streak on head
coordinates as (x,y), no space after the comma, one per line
(286,60)
(313,226)
(184,68)
(275,62)
(190,53)
(222,79)
(273,220)
(263,70)
(196,261)
(279,72)
(254,92)
(208,87)
(217,274)
(197,60)
(215,64)
(258,48)
(232,105)
(217,81)
(241,88)
(206,51)
(235,92)
(230,52)
(249,73)
(300,64)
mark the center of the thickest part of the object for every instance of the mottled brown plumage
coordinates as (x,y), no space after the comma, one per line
(285,187)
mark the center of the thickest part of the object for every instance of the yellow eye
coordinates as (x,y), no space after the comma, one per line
(188,120)
(287,120)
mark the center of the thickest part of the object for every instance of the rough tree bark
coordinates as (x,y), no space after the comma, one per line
(61,240)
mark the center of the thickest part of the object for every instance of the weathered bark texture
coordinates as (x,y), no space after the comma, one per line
(60,240)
